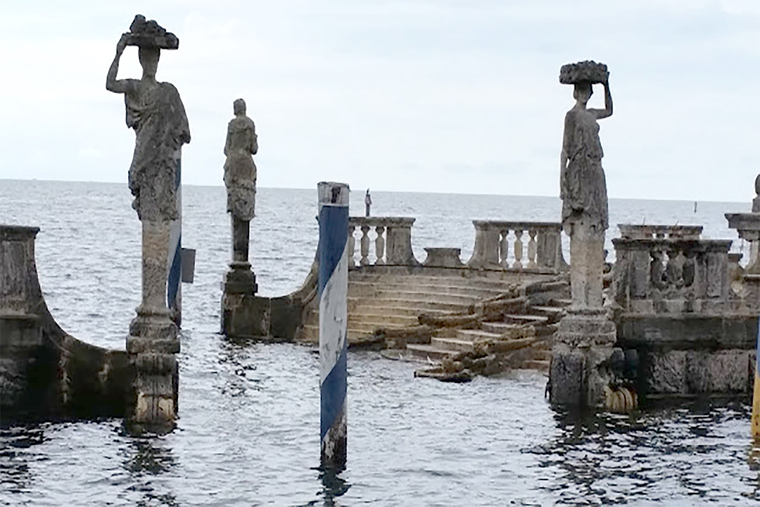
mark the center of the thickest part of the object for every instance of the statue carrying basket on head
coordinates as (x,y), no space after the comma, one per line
(156,113)
(583,187)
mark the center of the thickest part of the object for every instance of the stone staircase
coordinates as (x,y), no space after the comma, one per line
(387,300)
(448,344)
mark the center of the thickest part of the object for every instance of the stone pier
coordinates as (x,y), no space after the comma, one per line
(44,372)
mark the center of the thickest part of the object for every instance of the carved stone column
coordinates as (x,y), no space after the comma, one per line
(153,337)
(586,337)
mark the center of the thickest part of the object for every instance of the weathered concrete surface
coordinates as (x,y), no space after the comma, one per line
(44,372)
(691,354)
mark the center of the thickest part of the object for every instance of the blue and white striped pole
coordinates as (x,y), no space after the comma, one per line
(333,321)
(174,262)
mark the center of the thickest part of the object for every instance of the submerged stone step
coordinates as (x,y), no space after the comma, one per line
(526,319)
(374,308)
(472,335)
(549,311)
(432,304)
(452,344)
(429,352)
(534,364)
(468,281)
(369,290)
(423,297)
(499,328)
(382,319)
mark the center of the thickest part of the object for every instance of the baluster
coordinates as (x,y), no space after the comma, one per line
(364,244)
(380,245)
(351,246)
(503,248)
(518,249)
(532,248)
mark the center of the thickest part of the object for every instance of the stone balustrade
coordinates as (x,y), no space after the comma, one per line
(661,275)
(517,245)
(390,246)
(631,231)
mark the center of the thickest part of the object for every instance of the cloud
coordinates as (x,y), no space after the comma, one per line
(395,94)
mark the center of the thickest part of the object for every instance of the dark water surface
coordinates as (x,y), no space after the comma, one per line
(249,413)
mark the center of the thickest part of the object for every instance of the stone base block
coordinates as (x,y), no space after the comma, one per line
(245,315)
(240,279)
(443,257)
(580,359)
(567,376)
(586,328)
(152,345)
(688,372)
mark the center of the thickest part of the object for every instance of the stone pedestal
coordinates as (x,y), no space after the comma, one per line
(586,263)
(584,344)
(153,337)
(585,340)
(243,314)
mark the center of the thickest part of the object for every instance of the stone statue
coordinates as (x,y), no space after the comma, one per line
(579,372)
(242,312)
(156,113)
(240,177)
(583,188)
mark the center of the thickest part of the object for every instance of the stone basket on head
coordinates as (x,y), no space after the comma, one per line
(588,71)
(145,33)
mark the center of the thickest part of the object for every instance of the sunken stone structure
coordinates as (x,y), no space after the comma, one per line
(45,372)
(156,113)
(239,305)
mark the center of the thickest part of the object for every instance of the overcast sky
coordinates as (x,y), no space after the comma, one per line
(439,96)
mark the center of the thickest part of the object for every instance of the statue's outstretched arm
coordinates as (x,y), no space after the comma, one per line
(607,111)
(113,84)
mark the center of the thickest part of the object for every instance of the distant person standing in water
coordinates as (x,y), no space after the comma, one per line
(367,203)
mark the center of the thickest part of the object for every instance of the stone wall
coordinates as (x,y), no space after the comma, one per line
(45,372)
(691,355)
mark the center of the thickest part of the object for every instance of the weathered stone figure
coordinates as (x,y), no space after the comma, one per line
(242,315)
(240,178)
(583,187)
(585,336)
(155,112)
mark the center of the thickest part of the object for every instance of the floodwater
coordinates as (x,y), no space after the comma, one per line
(248,432)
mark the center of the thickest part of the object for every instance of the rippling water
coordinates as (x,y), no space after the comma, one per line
(249,413)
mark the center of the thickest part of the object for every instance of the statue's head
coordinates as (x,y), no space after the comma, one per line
(239,107)
(148,57)
(583,91)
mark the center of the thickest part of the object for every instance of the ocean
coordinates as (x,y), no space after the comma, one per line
(248,428)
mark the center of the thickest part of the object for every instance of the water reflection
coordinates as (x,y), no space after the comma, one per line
(619,458)
(236,365)
(333,487)
(147,460)
(14,466)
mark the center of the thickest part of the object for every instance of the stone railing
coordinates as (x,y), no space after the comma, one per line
(631,231)
(517,245)
(657,275)
(391,244)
